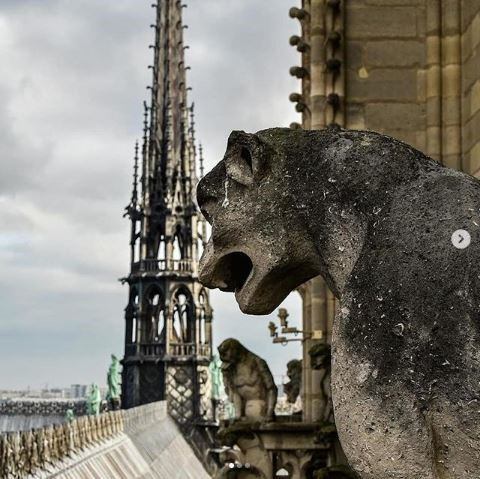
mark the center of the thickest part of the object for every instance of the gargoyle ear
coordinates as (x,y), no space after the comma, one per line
(244,157)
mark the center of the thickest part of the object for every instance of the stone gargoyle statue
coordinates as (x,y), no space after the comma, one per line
(320,360)
(294,373)
(379,221)
(248,382)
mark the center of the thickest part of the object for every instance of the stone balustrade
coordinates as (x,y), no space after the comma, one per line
(160,266)
(42,407)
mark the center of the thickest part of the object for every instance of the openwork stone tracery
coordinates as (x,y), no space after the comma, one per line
(168,317)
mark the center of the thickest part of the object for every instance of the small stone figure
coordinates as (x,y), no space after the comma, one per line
(26,452)
(55,444)
(92,428)
(248,381)
(40,441)
(48,447)
(84,437)
(34,452)
(12,454)
(69,415)
(385,227)
(320,358)
(68,434)
(215,368)
(94,400)
(113,382)
(3,454)
(294,373)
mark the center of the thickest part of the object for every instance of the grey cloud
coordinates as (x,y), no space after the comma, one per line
(18,152)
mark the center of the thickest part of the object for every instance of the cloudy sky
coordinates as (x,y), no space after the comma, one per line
(74,75)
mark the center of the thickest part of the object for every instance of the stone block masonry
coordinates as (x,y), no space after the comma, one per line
(385,52)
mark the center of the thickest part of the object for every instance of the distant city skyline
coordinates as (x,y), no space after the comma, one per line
(74,391)
(74,80)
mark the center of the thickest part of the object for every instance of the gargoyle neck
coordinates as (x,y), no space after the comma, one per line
(338,231)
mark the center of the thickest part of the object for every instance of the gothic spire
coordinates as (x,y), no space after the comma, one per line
(168,316)
(168,175)
(168,101)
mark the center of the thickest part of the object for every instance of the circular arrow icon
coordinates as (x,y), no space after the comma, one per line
(461,239)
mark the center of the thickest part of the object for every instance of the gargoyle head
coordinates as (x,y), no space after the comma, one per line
(294,368)
(231,352)
(320,356)
(258,237)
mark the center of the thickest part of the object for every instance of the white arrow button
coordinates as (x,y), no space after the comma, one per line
(461,239)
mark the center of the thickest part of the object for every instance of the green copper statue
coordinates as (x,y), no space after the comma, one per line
(94,401)
(218,388)
(113,383)
(69,415)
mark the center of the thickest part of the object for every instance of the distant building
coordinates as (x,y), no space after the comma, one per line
(78,391)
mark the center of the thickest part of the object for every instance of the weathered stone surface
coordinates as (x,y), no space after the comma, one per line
(394,116)
(355,55)
(469,11)
(395,53)
(471,129)
(471,70)
(398,22)
(375,218)
(394,3)
(383,84)
(474,162)
(248,382)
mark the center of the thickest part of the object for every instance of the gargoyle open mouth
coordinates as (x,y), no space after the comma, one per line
(233,271)
(236,272)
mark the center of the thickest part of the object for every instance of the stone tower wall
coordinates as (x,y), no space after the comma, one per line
(412,70)
(406,68)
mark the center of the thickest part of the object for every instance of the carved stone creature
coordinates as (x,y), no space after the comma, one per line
(379,221)
(294,373)
(320,360)
(248,381)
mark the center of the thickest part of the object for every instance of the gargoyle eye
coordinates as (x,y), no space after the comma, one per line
(239,165)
